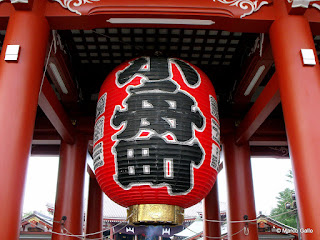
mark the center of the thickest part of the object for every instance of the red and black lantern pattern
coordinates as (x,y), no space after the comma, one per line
(157,133)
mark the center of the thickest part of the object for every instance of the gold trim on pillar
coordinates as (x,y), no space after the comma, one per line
(155,214)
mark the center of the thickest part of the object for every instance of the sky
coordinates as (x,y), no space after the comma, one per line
(269,178)
(41,183)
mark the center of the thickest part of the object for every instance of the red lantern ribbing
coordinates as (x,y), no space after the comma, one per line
(156,141)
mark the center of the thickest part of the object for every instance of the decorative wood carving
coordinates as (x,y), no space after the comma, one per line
(248,5)
(234,8)
(72,4)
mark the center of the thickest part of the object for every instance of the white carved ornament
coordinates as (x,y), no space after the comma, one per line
(283,150)
(71,4)
(304,3)
(258,45)
(317,6)
(251,6)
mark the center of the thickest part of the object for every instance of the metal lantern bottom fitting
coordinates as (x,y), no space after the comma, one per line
(155,214)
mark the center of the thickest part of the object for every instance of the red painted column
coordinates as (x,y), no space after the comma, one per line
(300,97)
(95,210)
(70,188)
(240,189)
(212,212)
(19,90)
(112,236)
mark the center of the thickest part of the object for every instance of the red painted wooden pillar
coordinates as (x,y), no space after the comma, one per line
(19,90)
(212,212)
(95,210)
(112,236)
(300,97)
(240,189)
(70,188)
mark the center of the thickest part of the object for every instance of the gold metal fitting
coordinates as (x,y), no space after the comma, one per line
(155,214)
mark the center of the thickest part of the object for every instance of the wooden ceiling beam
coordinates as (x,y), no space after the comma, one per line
(101,14)
(22,4)
(265,104)
(45,150)
(96,15)
(271,127)
(258,66)
(269,151)
(297,7)
(268,140)
(58,70)
(44,130)
(54,111)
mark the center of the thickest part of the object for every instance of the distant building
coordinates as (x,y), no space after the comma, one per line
(268,229)
(36,226)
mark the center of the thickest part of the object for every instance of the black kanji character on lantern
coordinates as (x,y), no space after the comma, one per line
(157,105)
(157,162)
(158,110)
(157,69)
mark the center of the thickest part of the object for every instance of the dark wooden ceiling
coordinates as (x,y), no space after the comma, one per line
(225,57)
(94,53)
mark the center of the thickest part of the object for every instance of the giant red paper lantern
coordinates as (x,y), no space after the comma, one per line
(157,134)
